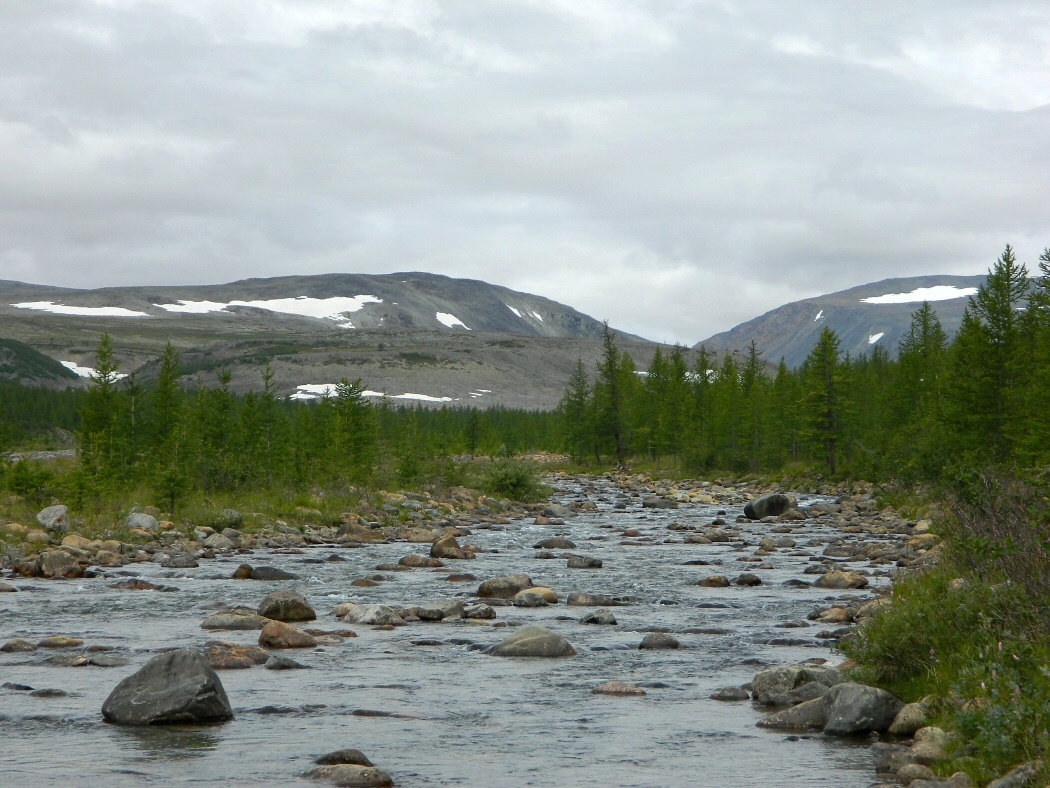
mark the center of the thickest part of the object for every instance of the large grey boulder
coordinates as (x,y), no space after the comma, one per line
(504,587)
(771,687)
(769,505)
(856,709)
(808,716)
(178,687)
(286,605)
(146,522)
(57,563)
(54,519)
(532,642)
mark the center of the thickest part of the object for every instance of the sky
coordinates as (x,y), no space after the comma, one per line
(673,166)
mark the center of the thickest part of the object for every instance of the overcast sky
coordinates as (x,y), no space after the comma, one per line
(675,167)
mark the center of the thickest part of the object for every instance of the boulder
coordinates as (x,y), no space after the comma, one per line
(234,621)
(580,599)
(769,685)
(532,642)
(57,563)
(655,502)
(555,543)
(249,572)
(769,505)
(223,655)
(748,579)
(350,776)
(659,640)
(559,511)
(838,579)
(910,718)
(178,687)
(347,756)
(583,562)
(618,688)
(504,587)
(277,634)
(729,694)
(600,616)
(856,709)
(417,561)
(811,716)
(714,581)
(447,547)
(379,615)
(54,519)
(286,605)
(145,522)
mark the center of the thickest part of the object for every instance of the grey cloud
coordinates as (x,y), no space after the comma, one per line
(673,166)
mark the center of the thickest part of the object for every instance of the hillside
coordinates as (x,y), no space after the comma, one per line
(19,362)
(420,337)
(873,314)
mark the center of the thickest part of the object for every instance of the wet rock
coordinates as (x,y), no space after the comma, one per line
(811,715)
(479,613)
(837,579)
(17,645)
(770,505)
(748,579)
(461,577)
(15,687)
(729,694)
(600,616)
(286,605)
(504,587)
(173,688)
(223,655)
(143,521)
(135,584)
(180,561)
(277,634)
(416,561)
(49,693)
(555,543)
(767,685)
(219,542)
(808,691)
(580,599)
(276,662)
(855,709)
(249,572)
(529,598)
(107,661)
(447,547)
(347,756)
(714,581)
(350,776)
(7,589)
(234,621)
(380,615)
(659,640)
(559,511)
(59,641)
(57,563)
(532,642)
(54,519)
(583,562)
(618,688)
(910,772)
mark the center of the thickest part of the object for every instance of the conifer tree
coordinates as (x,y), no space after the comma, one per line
(822,398)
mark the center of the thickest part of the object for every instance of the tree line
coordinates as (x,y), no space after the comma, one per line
(938,407)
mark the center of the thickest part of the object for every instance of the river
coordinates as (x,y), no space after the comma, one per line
(450,715)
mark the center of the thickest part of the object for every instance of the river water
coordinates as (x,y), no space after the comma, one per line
(460,717)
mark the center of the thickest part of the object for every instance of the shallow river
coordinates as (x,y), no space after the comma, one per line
(466,718)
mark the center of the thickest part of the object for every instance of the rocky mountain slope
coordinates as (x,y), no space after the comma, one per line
(862,317)
(415,336)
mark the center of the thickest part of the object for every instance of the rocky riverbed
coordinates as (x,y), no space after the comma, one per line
(643,609)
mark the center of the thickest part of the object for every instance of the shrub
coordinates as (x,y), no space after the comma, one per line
(513,479)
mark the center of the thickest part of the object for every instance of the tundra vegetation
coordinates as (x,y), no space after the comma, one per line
(956,428)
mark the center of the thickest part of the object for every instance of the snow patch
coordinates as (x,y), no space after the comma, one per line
(873,338)
(936,293)
(334,308)
(512,309)
(536,315)
(86,372)
(450,320)
(820,314)
(311,391)
(83,311)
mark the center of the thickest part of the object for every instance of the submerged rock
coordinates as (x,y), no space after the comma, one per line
(532,642)
(350,776)
(617,688)
(178,687)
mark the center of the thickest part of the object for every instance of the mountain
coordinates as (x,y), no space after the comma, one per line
(415,336)
(862,317)
(19,362)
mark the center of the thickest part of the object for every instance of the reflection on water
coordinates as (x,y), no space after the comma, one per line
(449,715)
(167,742)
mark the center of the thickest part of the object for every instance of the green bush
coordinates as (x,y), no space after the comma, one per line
(512,479)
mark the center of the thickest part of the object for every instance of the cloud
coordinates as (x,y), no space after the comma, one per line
(674,166)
